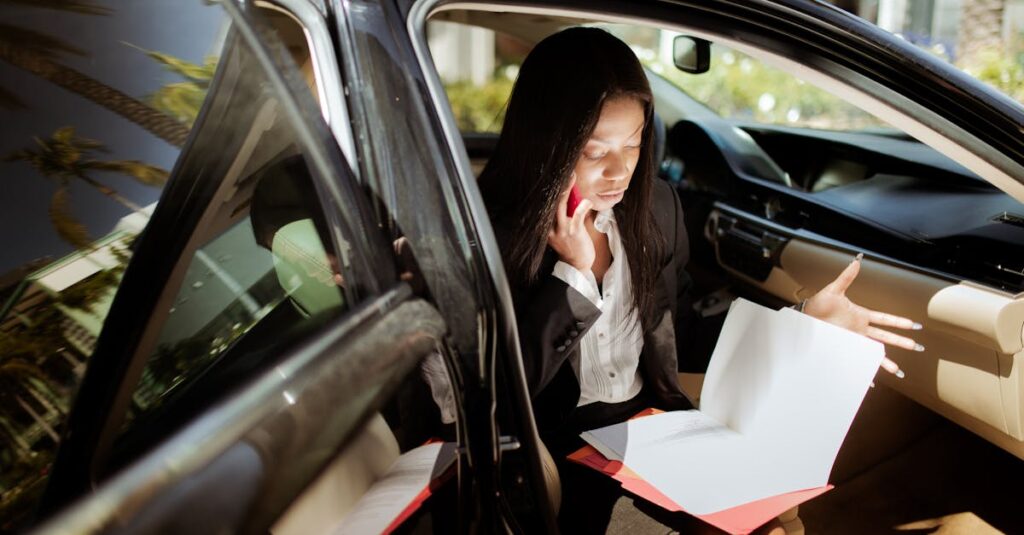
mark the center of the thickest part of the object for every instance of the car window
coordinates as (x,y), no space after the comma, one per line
(985,41)
(477,67)
(260,271)
(97,100)
(269,270)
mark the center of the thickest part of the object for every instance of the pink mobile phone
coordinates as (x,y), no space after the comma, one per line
(574,200)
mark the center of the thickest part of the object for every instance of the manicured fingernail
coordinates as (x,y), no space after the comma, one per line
(860,256)
(917,326)
(899,374)
(872,385)
(918,348)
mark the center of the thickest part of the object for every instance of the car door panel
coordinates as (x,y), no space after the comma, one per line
(346,373)
(322,506)
(970,370)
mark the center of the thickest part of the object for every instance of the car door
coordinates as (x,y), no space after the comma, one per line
(263,365)
(414,163)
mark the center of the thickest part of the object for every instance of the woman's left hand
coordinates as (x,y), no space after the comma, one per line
(832,305)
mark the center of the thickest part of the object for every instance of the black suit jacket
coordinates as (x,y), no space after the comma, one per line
(552,317)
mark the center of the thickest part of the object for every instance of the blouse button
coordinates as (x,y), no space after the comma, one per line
(611,374)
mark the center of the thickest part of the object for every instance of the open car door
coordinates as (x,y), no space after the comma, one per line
(263,366)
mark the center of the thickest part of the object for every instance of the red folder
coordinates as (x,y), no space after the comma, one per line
(741,519)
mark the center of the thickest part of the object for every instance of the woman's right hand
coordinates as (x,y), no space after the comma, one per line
(569,237)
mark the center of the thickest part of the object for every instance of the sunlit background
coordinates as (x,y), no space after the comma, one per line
(984,38)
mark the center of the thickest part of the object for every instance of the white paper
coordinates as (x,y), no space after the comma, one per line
(780,394)
(410,474)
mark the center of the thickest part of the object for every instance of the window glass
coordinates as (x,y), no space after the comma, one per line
(985,40)
(96,100)
(477,67)
(260,271)
(271,260)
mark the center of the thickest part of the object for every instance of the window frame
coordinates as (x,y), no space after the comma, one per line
(474,366)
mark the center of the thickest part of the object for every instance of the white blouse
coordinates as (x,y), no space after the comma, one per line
(607,363)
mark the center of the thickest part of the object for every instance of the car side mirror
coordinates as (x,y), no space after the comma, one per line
(691,54)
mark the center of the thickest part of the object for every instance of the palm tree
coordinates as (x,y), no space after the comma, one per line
(182,100)
(38,54)
(65,158)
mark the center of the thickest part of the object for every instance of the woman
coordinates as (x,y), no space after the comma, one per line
(597,293)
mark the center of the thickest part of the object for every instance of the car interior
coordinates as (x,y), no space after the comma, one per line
(424,408)
(774,212)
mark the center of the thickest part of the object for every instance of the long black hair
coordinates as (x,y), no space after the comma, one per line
(554,107)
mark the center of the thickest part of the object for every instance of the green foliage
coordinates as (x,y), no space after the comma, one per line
(1000,67)
(200,74)
(14,39)
(182,100)
(741,87)
(64,222)
(480,108)
(86,294)
(144,173)
(736,87)
(41,336)
(58,157)
(65,158)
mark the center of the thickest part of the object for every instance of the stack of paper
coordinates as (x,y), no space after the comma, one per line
(780,394)
(401,491)
(741,519)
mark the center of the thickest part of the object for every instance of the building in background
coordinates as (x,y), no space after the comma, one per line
(51,313)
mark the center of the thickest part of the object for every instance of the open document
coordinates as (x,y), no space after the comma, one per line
(397,495)
(780,394)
